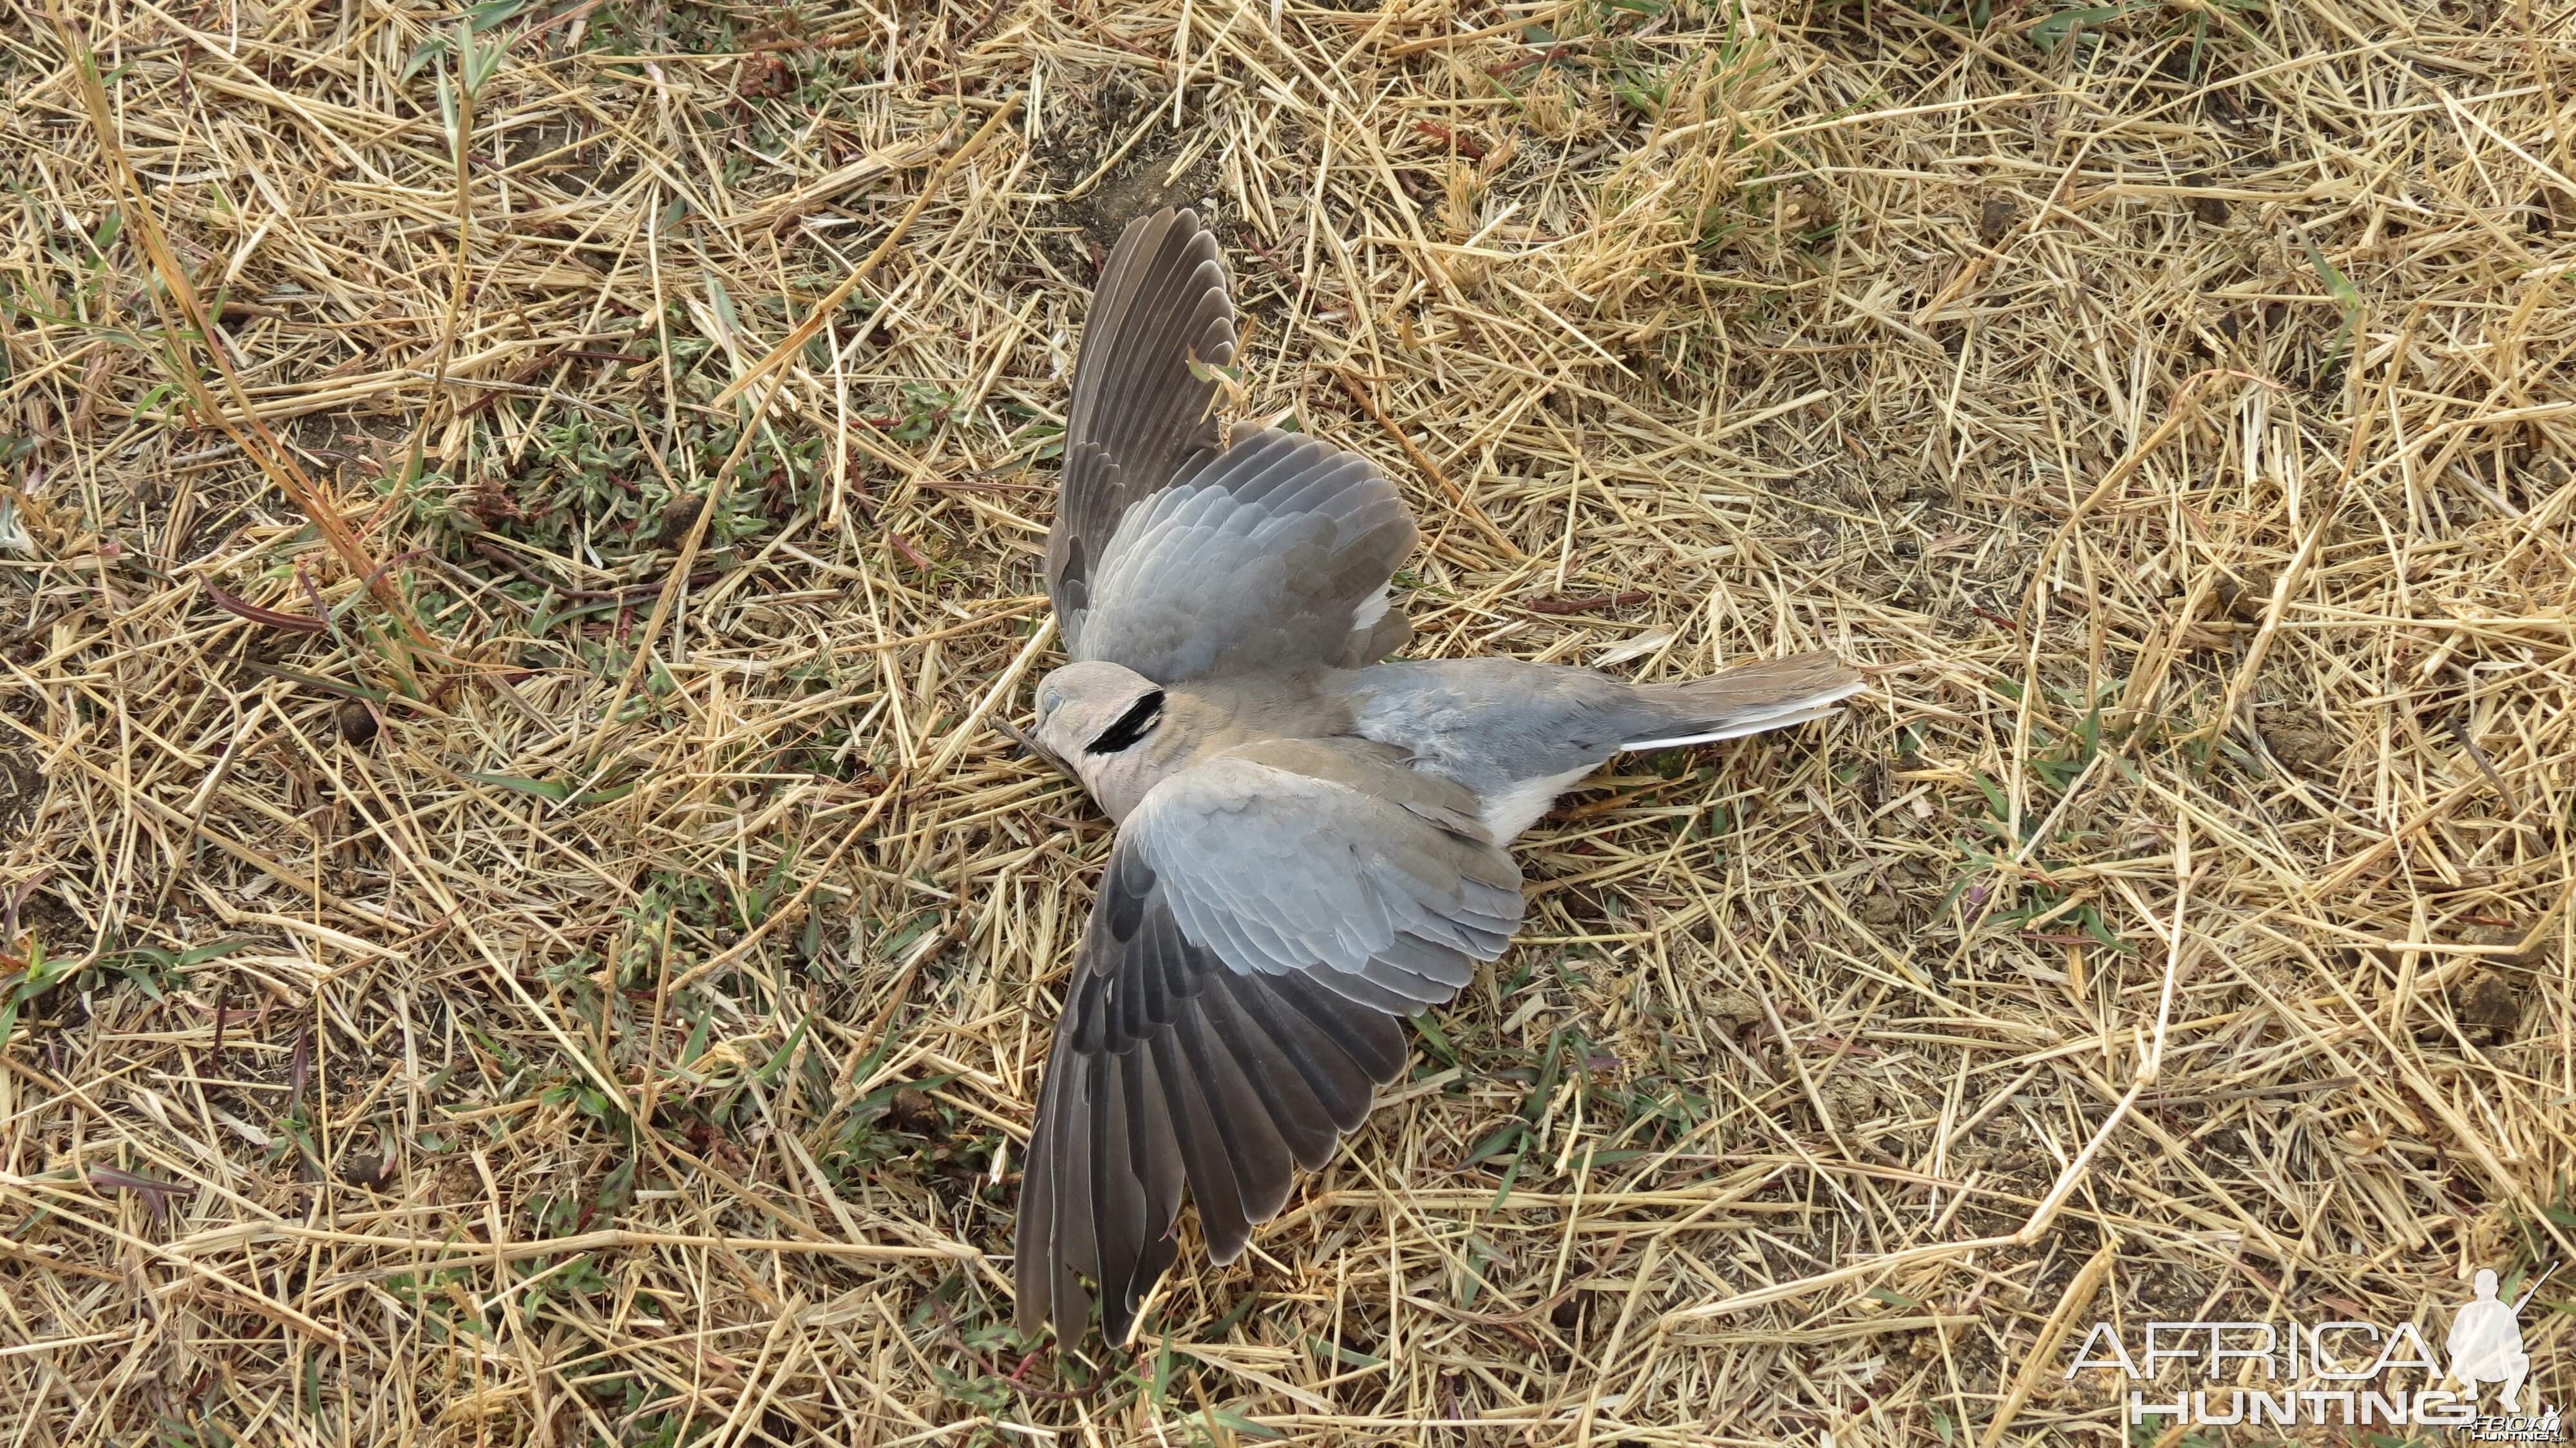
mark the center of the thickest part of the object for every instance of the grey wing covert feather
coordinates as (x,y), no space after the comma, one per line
(1275,555)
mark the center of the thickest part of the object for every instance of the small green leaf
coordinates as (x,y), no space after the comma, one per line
(428,50)
(160,393)
(1496,1141)
(1346,1355)
(2048,34)
(1210,372)
(483,17)
(618,1188)
(778,1061)
(44,974)
(2345,294)
(2095,927)
(1995,798)
(199,954)
(1440,1045)
(142,979)
(327,686)
(2336,282)
(1535,1107)
(1511,1174)
(721,302)
(553,789)
(1219,1417)
(1242,1309)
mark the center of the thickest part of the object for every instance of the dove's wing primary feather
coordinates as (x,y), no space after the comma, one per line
(1266,917)
(1177,559)
(1138,410)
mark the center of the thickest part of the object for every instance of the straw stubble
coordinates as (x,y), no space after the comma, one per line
(2172,408)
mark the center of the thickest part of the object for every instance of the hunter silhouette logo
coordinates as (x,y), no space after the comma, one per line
(2340,1374)
(2486,1343)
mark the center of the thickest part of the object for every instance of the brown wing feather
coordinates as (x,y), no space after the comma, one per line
(1138,413)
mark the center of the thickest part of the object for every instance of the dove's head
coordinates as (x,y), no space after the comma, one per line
(1096,719)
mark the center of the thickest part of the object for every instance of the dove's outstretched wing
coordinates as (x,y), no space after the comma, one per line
(1266,918)
(1272,556)
(1176,556)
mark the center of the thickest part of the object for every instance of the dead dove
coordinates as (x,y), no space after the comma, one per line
(1311,843)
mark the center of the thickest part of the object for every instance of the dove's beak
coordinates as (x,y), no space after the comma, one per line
(1025,745)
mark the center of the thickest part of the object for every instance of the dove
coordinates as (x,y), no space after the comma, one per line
(1312,840)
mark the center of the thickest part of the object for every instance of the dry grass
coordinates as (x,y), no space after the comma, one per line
(2175,406)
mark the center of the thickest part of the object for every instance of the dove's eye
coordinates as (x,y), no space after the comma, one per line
(1135,724)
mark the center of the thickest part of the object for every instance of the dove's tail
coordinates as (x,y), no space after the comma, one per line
(1773,694)
(1519,734)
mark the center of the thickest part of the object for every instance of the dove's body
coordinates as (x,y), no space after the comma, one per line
(1310,842)
(1514,734)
